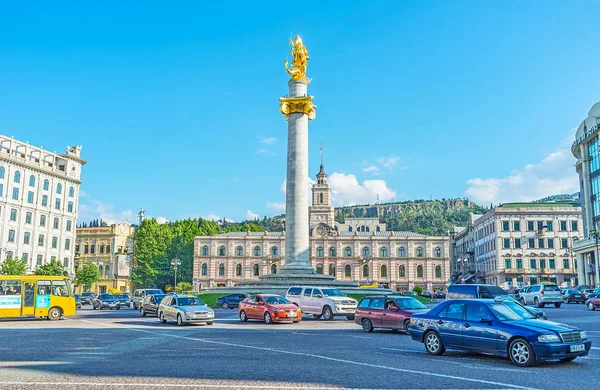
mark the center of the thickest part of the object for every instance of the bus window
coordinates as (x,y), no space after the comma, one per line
(43,287)
(59,288)
(28,301)
(10,287)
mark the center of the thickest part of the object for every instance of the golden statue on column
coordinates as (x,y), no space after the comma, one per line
(300,53)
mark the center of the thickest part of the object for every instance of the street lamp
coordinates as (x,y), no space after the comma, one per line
(175,263)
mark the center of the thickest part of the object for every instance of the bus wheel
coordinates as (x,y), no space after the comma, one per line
(54,314)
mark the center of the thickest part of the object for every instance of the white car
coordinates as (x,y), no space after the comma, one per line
(322,302)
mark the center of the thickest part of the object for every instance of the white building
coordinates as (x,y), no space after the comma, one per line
(586,149)
(39,196)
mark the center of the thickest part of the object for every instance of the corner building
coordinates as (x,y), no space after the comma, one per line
(359,250)
(39,198)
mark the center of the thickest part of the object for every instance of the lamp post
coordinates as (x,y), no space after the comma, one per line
(175,263)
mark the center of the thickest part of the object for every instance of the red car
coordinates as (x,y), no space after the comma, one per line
(391,311)
(268,308)
(593,303)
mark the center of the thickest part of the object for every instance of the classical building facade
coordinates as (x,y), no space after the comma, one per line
(527,243)
(462,252)
(39,197)
(109,248)
(586,149)
(358,250)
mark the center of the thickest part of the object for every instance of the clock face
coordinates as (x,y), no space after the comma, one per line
(320,231)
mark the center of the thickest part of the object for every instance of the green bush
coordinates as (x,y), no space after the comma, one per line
(418,289)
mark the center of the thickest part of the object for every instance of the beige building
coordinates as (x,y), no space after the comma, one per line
(462,252)
(109,248)
(527,243)
(359,250)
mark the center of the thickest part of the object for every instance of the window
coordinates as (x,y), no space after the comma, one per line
(86,249)
(42,220)
(419,271)
(15,194)
(59,188)
(77,247)
(419,252)
(92,248)
(320,268)
(107,248)
(552,263)
(67,244)
(57,204)
(17,177)
(519,263)
(565,263)
(320,251)
(506,243)
(549,226)
(41,240)
(1,189)
(438,271)
(530,226)
(401,252)
(453,311)
(256,251)
(383,252)
(551,243)
(476,311)
(574,226)
(106,270)
(28,217)
(350,228)
(221,269)
(332,252)
(66,262)
(30,197)
(273,268)
(13,214)
(40,260)
(204,269)
(26,238)
(533,264)
(532,243)
(71,192)
(56,223)
(517,243)
(70,207)
(54,242)
(11,236)
(256,270)
(402,272)
(540,225)
(25,258)
(542,263)
(507,264)
(365,251)
(383,271)
(517,226)
(274,251)
(437,252)
(240,251)
(365,271)
(564,243)
(540,243)
(31,181)
(44,200)
(204,250)
(46,185)
(347,271)
(238,270)
(1,172)
(222,250)
(332,269)
(505,225)
(348,252)
(563,226)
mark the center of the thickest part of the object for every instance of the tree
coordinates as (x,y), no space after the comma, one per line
(53,268)
(14,266)
(183,287)
(418,289)
(87,275)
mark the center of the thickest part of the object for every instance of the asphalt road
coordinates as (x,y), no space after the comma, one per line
(120,349)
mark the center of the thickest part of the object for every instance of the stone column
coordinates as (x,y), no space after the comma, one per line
(296,207)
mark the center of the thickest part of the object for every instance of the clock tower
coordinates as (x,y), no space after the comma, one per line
(321,210)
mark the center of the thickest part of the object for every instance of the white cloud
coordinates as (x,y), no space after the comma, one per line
(268,140)
(382,164)
(388,162)
(95,209)
(251,216)
(555,174)
(276,208)
(346,190)
(161,220)
(265,151)
(372,168)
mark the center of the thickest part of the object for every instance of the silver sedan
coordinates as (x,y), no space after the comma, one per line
(184,309)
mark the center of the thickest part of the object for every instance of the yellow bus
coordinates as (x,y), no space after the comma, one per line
(36,296)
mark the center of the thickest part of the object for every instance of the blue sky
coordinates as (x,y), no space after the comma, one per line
(177,110)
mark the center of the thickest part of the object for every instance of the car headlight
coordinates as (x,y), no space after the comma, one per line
(278,311)
(583,334)
(548,338)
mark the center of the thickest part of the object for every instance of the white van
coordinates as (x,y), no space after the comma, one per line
(322,302)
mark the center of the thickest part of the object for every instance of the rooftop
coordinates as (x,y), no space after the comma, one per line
(539,204)
(341,234)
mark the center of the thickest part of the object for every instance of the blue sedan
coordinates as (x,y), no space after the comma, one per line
(498,327)
(231,301)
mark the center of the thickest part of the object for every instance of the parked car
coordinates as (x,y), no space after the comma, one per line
(88,297)
(593,303)
(269,308)
(497,327)
(322,302)
(427,294)
(106,301)
(231,301)
(487,291)
(541,294)
(150,303)
(125,299)
(77,301)
(140,293)
(440,295)
(590,293)
(410,293)
(573,296)
(184,309)
(387,311)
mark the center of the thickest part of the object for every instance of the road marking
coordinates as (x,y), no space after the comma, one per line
(594,348)
(362,337)
(403,350)
(322,357)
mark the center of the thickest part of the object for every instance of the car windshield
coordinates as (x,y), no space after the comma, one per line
(276,301)
(410,304)
(551,287)
(491,291)
(158,297)
(153,292)
(573,292)
(510,311)
(332,292)
(190,301)
(106,296)
(122,296)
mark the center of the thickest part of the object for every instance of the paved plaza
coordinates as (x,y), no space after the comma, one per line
(120,349)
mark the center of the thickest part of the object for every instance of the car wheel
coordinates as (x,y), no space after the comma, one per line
(406,325)
(350,317)
(118,307)
(317,316)
(134,307)
(433,344)
(268,319)
(94,307)
(243,316)
(179,320)
(54,314)
(225,305)
(295,322)
(161,317)
(591,306)
(327,313)
(367,325)
(210,323)
(557,305)
(536,303)
(521,353)
(523,301)
(142,312)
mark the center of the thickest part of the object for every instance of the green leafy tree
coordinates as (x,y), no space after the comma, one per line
(14,266)
(183,287)
(418,289)
(87,275)
(53,268)
(149,261)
